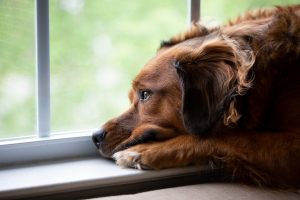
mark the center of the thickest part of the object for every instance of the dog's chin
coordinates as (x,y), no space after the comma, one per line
(121,148)
(105,154)
(108,154)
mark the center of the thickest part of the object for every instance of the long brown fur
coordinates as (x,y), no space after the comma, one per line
(227,95)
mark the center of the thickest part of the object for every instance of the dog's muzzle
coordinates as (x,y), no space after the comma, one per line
(98,136)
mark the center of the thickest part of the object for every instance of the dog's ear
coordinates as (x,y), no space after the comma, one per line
(211,71)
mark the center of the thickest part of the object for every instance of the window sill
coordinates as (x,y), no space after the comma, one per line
(57,146)
(68,166)
(72,176)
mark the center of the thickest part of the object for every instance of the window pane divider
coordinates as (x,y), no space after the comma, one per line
(193,11)
(42,67)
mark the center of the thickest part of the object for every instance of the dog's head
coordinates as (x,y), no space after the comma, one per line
(155,111)
(189,87)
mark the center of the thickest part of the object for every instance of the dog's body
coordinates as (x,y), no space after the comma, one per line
(226,95)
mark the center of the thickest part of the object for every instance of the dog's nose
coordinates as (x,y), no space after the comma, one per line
(98,136)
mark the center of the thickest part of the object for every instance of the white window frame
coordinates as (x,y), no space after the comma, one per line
(42,67)
(45,146)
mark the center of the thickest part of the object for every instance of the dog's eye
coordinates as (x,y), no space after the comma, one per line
(145,95)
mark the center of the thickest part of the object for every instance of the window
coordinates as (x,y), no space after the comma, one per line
(96,49)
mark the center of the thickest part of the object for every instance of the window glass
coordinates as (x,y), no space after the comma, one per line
(96,50)
(210,13)
(17,68)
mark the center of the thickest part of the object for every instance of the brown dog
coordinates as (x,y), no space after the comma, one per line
(227,95)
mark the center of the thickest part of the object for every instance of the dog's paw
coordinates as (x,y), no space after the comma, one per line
(132,157)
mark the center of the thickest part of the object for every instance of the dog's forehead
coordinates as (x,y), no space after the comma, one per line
(159,70)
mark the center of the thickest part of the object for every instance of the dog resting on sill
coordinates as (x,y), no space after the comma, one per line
(227,95)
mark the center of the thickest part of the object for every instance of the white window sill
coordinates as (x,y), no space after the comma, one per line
(78,174)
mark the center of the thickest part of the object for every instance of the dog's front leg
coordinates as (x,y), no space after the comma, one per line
(262,158)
